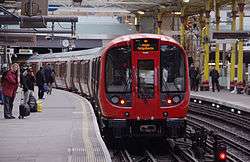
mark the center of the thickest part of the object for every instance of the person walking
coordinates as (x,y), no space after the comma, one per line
(215,79)
(40,80)
(10,85)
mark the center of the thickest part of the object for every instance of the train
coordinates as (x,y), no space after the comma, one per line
(138,84)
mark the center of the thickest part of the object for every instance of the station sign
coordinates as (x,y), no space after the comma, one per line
(231,35)
(146,44)
(17,40)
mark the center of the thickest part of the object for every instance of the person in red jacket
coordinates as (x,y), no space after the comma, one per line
(10,85)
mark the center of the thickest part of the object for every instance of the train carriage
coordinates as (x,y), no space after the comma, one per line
(138,85)
(146,87)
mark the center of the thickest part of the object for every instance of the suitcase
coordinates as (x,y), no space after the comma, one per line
(24,110)
(32,103)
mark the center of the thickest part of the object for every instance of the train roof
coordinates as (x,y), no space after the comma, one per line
(138,36)
(65,56)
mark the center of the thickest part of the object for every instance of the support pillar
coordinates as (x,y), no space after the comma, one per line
(233,51)
(240,87)
(217,51)
(202,35)
(182,27)
(205,83)
(159,22)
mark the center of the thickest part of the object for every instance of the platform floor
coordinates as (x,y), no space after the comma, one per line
(238,101)
(66,131)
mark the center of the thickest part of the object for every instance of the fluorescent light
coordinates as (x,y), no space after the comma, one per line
(140,12)
(176,13)
(163,6)
(186,1)
(136,21)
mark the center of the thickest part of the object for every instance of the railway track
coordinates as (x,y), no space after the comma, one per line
(238,120)
(153,151)
(235,137)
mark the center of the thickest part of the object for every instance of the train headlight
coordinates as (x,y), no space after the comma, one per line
(169,100)
(115,100)
(122,101)
(176,99)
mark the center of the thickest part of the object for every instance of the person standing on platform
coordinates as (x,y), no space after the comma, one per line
(48,77)
(197,78)
(10,85)
(215,79)
(51,80)
(192,75)
(40,80)
(4,70)
(28,84)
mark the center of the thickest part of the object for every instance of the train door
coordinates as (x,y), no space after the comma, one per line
(146,65)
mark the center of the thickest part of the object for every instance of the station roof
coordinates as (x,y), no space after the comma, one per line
(191,7)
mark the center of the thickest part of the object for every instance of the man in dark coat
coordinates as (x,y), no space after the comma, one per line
(192,76)
(10,85)
(40,80)
(28,84)
(48,73)
(215,79)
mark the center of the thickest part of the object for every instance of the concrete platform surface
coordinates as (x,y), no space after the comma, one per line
(237,101)
(66,131)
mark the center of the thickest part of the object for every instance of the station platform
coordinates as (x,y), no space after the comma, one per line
(232,100)
(66,131)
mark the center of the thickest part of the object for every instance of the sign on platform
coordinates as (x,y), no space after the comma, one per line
(17,40)
(231,35)
(226,41)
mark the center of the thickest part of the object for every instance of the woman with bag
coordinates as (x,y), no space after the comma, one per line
(10,85)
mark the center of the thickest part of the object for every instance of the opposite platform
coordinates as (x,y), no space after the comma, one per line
(66,131)
(237,101)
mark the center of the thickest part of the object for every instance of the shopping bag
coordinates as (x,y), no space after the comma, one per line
(39,105)
(45,87)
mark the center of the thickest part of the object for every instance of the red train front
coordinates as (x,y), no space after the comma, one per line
(143,87)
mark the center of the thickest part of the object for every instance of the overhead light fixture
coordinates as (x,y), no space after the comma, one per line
(163,6)
(186,1)
(176,13)
(140,12)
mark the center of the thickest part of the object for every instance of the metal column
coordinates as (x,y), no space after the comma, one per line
(233,45)
(217,51)
(205,83)
(159,22)
(241,5)
(182,27)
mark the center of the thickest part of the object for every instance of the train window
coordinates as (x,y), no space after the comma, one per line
(118,70)
(146,79)
(172,69)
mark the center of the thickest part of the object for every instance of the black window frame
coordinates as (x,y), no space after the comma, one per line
(130,65)
(184,70)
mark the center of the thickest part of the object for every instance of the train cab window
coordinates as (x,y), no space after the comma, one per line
(172,69)
(146,79)
(118,70)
